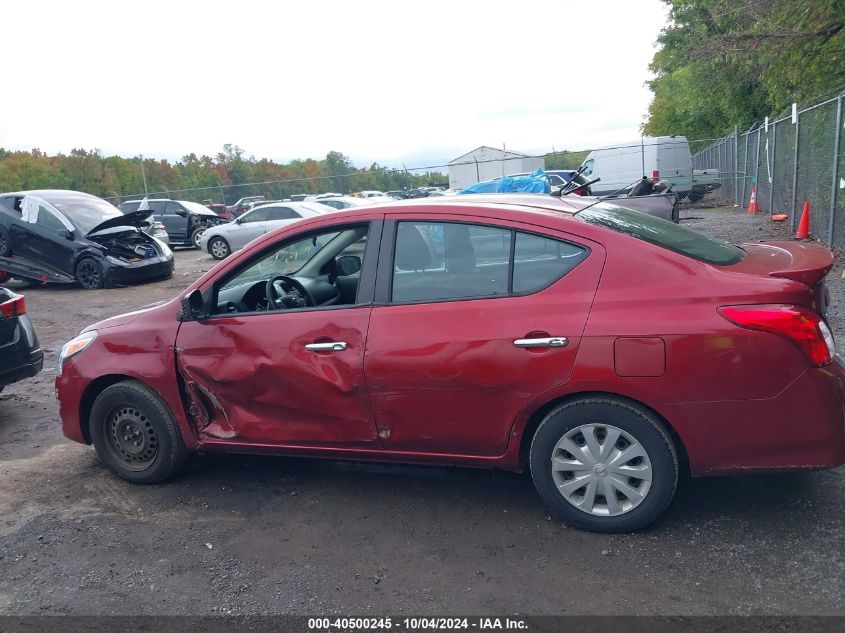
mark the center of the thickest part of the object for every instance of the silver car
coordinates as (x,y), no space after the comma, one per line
(223,240)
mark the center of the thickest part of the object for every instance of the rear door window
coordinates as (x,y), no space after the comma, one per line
(449,260)
(282,213)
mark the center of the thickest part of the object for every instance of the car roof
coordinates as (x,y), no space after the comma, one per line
(526,202)
(46,194)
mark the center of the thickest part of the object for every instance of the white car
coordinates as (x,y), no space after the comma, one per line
(223,240)
(345,202)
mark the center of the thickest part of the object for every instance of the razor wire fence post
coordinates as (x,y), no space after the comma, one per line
(794,174)
(736,164)
(771,167)
(834,188)
(756,180)
(744,169)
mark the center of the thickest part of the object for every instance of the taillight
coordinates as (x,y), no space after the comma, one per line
(13,307)
(801,325)
(580,191)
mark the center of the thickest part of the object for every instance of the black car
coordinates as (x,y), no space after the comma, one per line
(20,354)
(185,221)
(61,236)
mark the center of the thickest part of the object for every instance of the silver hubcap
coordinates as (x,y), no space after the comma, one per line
(198,237)
(601,469)
(219,248)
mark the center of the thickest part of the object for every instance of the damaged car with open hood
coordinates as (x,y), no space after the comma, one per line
(59,236)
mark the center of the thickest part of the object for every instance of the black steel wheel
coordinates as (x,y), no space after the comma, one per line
(135,435)
(89,274)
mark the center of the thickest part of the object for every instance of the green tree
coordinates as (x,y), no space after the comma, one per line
(731,62)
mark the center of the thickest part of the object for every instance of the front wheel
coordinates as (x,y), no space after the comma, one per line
(604,465)
(219,248)
(134,434)
(196,237)
(89,274)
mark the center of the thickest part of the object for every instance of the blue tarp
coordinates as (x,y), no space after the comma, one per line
(537,182)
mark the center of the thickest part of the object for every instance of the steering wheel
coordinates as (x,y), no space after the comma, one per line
(296,296)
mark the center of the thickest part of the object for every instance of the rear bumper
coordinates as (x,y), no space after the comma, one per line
(803,427)
(20,356)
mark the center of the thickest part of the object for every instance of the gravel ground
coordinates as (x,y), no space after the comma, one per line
(243,534)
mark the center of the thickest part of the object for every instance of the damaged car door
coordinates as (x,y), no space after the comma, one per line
(276,356)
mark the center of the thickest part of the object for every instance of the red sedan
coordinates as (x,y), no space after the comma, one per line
(602,349)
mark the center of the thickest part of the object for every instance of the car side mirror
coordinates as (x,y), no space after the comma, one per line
(68,234)
(348,265)
(193,306)
(182,213)
(239,220)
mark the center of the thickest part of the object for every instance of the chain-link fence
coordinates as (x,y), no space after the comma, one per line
(784,164)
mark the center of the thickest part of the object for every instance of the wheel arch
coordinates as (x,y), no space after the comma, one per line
(537,417)
(94,389)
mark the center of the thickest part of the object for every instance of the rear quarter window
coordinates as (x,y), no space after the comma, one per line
(662,233)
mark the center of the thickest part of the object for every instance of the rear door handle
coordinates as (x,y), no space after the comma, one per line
(552,341)
(333,346)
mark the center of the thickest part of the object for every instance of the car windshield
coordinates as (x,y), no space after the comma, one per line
(196,207)
(662,233)
(84,211)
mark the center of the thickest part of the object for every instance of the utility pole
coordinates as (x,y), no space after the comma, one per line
(144,176)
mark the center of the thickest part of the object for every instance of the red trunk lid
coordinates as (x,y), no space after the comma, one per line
(803,262)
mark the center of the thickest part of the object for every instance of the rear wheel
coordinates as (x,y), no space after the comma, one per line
(5,245)
(604,465)
(89,274)
(196,236)
(134,434)
(219,248)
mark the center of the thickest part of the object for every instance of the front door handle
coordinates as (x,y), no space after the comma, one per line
(552,341)
(333,346)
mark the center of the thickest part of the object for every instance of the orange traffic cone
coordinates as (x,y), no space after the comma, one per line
(752,204)
(803,231)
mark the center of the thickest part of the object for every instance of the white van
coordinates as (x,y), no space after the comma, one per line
(621,165)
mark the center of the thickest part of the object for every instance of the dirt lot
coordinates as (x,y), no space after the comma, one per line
(240,534)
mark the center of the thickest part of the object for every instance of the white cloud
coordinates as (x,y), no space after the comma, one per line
(385,81)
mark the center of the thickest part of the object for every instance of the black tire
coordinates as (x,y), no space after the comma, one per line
(219,248)
(89,274)
(134,434)
(633,421)
(5,245)
(196,235)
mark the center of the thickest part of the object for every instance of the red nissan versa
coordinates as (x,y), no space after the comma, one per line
(600,348)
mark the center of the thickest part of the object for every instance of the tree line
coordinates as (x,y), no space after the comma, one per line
(722,63)
(225,177)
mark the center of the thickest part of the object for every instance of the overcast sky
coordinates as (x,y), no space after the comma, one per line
(393,82)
